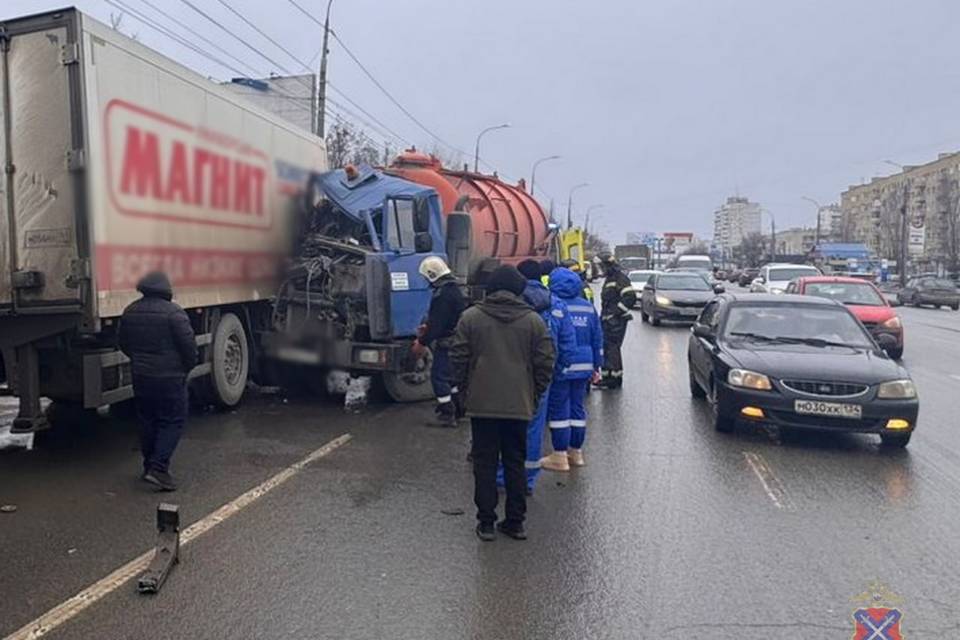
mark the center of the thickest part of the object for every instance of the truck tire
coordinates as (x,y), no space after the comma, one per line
(412,386)
(230,361)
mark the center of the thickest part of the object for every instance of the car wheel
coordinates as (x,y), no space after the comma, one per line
(654,320)
(955,307)
(898,440)
(896,354)
(643,316)
(722,423)
(695,389)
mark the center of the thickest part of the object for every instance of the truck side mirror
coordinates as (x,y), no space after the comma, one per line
(423,242)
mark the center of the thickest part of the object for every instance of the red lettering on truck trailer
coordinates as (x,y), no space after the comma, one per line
(171,170)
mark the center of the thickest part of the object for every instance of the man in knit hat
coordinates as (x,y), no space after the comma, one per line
(503,359)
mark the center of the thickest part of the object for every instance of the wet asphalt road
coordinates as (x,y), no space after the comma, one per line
(667,533)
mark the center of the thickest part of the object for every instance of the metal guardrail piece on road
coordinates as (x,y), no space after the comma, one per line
(167,553)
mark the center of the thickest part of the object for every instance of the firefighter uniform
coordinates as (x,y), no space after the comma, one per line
(616,300)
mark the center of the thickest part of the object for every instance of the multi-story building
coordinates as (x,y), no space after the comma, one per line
(923,200)
(831,223)
(797,241)
(733,221)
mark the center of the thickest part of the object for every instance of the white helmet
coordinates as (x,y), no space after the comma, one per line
(433,268)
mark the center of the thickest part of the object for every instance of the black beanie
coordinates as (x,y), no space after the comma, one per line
(530,269)
(547,267)
(506,278)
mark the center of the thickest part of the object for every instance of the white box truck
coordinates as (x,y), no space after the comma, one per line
(117,161)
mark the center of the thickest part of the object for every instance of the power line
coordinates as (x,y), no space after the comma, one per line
(377,82)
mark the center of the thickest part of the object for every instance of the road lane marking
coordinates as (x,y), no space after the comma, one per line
(771,484)
(103,587)
(955,376)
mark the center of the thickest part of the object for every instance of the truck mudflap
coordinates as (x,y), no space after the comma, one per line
(370,357)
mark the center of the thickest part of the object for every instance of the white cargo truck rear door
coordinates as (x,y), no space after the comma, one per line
(39,204)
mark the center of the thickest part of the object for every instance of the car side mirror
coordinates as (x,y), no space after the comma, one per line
(703,331)
(887,342)
(719,288)
(423,242)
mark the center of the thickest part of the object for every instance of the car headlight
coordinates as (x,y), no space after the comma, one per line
(748,380)
(900,389)
(892,323)
(664,302)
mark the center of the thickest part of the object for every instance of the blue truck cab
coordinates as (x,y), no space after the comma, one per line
(354,298)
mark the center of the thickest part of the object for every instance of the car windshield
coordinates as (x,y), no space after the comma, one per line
(845,292)
(640,276)
(785,275)
(683,282)
(795,322)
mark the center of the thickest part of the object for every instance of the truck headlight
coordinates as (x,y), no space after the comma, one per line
(898,389)
(664,302)
(748,380)
(892,323)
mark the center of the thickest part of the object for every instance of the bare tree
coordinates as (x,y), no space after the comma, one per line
(891,222)
(751,249)
(594,244)
(947,220)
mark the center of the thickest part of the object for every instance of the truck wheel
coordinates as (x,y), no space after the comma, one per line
(411,386)
(230,359)
(895,440)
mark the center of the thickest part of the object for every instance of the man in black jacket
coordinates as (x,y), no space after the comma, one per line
(616,301)
(446,305)
(156,335)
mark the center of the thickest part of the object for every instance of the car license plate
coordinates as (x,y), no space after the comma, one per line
(830,409)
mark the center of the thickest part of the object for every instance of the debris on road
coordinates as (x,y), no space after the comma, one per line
(168,549)
(8,508)
(356,397)
(456,511)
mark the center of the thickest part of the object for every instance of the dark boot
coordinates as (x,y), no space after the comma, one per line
(161,480)
(515,531)
(446,414)
(486,532)
(460,406)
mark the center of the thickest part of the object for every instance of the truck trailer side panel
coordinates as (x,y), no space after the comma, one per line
(185,177)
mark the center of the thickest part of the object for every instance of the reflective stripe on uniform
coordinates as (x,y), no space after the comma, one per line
(626,290)
(610,284)
(454,390)
(581,308)
(531,464)
(559,424)
(625,308)
(444,399)
(578,423)
(580,366)
(616,374)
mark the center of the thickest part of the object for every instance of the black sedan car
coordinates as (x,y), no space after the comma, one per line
(798,362)
(936,292)
(676,295)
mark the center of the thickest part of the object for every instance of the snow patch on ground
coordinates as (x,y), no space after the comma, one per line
(8,411)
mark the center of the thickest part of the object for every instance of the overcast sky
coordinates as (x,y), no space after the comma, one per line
(664,107)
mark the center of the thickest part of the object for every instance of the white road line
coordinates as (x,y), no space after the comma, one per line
(955,376)
(771,484)
(98,590)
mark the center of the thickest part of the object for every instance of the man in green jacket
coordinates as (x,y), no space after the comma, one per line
(502,355)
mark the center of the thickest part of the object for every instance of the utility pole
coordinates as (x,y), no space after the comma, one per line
(902,259)
(322,94)
(817,205)
(570,203)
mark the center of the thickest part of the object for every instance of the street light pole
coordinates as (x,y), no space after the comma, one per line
(902,259)
(322,95)
(533,173)
(773,235)
(476,155)
(570,203)
(817,205)
(586,221)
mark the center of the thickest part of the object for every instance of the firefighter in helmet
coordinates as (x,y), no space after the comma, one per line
(617,298)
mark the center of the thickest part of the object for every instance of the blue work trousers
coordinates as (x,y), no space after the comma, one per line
(566,414)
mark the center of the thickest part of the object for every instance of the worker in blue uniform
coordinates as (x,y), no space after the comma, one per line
(566,414)
(554,314)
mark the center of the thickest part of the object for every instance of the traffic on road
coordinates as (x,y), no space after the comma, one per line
(281,359)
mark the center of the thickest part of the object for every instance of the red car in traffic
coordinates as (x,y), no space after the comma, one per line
(862,298)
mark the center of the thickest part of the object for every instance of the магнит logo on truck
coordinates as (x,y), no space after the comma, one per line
(160,168)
